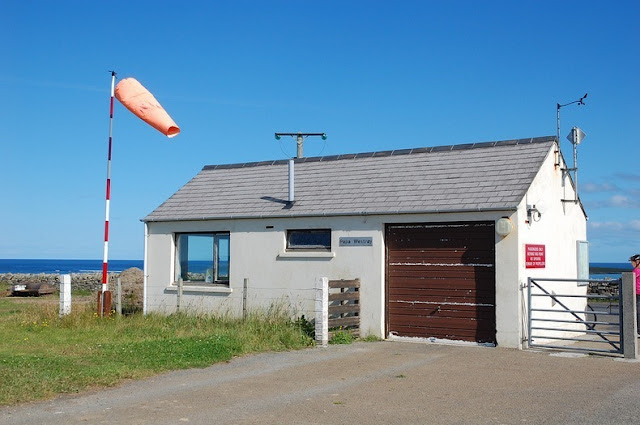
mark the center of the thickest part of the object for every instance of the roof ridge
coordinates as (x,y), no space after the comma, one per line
(443,148)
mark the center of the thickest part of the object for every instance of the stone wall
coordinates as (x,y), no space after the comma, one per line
(84,281)
(131,280)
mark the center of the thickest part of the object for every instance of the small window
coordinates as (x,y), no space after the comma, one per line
(202,257)
(309,239)
(583,261)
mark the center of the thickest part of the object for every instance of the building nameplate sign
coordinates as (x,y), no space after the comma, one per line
(365,241)
(534,256)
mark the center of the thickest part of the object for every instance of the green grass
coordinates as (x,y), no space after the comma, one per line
(5,288)
(370,338)
(79,292)
(42,355)
(342,337)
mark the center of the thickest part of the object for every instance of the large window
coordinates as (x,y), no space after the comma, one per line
(309,239)
(202,257)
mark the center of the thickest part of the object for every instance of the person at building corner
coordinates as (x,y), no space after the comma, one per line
(635,263)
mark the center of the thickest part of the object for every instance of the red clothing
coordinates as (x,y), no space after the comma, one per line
(636,273)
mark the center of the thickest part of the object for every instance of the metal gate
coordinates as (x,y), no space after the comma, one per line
(563,315)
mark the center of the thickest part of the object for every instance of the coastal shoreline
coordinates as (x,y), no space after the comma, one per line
(608,270)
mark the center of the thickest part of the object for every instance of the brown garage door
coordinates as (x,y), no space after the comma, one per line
(441,280)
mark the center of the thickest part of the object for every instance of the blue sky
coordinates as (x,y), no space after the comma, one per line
(373,75)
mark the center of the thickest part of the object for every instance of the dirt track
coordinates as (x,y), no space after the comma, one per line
(366,383)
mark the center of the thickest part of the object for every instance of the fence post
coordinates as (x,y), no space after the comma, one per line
(629,325)
(179,300)
(119,296)
(322,311)
(529,313)
(65,294)
(244,298)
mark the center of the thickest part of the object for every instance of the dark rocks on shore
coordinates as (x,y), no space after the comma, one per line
(605,287)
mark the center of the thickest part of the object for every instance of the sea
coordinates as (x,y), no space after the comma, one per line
(116,266)
(64,266)
(611,274)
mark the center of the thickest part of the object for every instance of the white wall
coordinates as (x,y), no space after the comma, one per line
(258,253)
(508,318)
(559,228)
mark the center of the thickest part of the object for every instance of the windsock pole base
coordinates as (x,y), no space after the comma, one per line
(104,303)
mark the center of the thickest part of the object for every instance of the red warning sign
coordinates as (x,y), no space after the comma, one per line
(534,256)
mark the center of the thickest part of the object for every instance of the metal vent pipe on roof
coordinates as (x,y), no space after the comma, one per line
(291,181)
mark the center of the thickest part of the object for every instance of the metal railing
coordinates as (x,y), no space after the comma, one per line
(560,318)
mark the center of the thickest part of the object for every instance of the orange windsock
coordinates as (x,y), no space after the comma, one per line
(138,100)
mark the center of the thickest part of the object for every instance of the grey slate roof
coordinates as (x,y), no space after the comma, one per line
(470,177)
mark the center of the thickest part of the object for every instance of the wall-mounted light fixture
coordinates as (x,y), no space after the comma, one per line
(533,214)
(504,226)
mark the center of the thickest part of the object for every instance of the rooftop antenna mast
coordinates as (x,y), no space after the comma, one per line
(575,137)
(300,139)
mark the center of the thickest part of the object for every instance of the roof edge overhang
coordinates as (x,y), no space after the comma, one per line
(342,214)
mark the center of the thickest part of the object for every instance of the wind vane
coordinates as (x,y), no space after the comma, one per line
(558,106)
(575,137)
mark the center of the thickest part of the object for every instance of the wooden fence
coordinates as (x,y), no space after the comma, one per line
(337,307)
(344,306)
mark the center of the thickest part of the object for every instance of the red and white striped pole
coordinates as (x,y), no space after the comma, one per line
(105,261)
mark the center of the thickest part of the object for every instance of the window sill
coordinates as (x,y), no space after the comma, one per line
(200,289)
(306,254)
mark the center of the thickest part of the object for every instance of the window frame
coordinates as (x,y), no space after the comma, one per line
(308,248)
(217,280)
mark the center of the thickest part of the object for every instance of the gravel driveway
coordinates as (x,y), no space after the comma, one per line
(366,383)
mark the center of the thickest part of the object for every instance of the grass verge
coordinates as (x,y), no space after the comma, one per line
(42,355)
